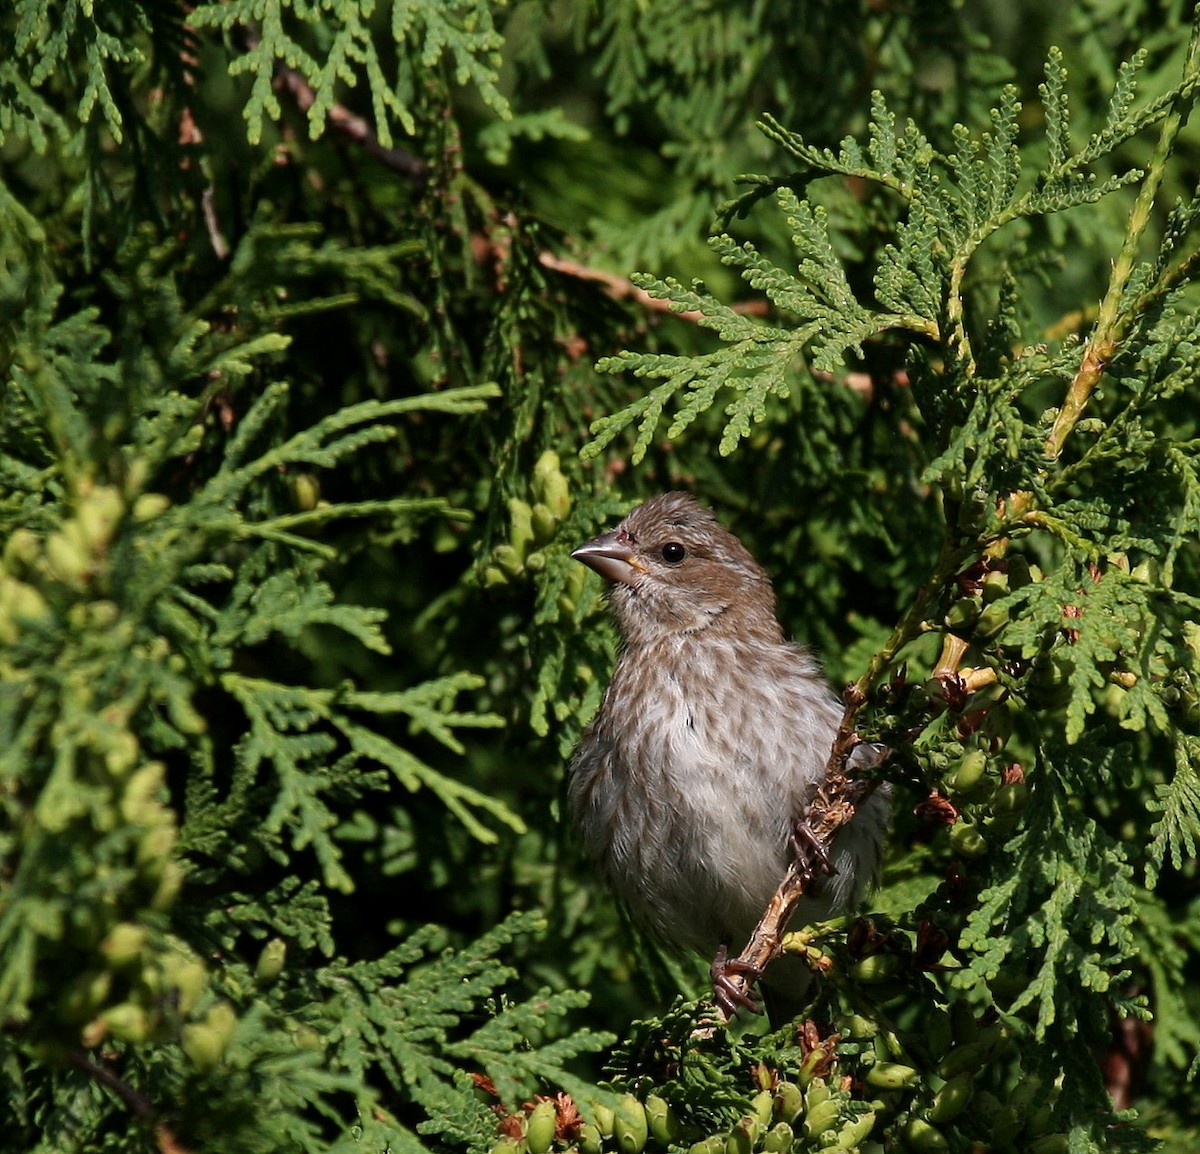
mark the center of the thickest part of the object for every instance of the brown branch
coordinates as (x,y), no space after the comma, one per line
(618,287)
(348,124)
(843,792)
(135,1101)
(621,288)
(839,798)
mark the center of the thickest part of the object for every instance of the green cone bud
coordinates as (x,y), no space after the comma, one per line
(893,1076)
(203,1045)
(98,514)
(590,1139)
(20,604)
(544,468)
(306,492)
(761,1105)
(508,559)
(966,839)
(1024,1093)
(995,586)
(121,753)
(67,560)
(223,1018)
(139,803)
(520,535)
(630,1128)
(557,495)
(550,485)
(544,523)
(1049,683)
(855,1026)
(789,1101)
(962,614)
(169,884)
(540,1128)
(743,1138)
(604,1117)
(507,1145)
(151,505)
(972,1056)
(779,1139)
(924,1138)
(964,1059)
(852,1133)
(817,1092)
(1010,799)
(154,848)
(122,948)
(129,1022)
(821,1117)
(663,1121)
(992,620)
(970,772)
(952,1098)
(875,968)
(21,552)
(1146,572)
(188,976)
(270,962)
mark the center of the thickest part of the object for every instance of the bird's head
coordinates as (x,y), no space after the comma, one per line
(675,569)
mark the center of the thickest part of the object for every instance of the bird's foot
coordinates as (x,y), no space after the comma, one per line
(730,993)
(808,848)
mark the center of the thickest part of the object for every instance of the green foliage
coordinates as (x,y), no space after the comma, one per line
(299,306)
(425,37)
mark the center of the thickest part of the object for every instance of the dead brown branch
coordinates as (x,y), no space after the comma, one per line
(346,123)
(134,1100)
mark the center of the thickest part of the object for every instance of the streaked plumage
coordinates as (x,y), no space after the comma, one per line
(710,741)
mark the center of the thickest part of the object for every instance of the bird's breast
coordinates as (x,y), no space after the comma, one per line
(687,784)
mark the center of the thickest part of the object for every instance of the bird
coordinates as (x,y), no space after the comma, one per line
(709,744)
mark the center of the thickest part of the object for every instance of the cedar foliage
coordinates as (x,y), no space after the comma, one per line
(300,308)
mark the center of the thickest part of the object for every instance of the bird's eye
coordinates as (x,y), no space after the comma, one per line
(673,552)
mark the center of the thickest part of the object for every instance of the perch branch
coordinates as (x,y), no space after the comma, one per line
(840,796)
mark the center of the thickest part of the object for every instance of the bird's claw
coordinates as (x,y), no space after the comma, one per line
(808,848)
(729,994)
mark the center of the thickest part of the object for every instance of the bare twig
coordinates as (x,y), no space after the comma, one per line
(621,288)
(349,124)
(135,1101)
(842,793)
(216,237)
(837,801)
(617,286)
(352,126)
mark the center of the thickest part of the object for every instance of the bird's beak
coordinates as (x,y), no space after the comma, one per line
(612,557)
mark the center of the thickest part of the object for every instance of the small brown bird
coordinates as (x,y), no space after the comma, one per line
(709,744)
